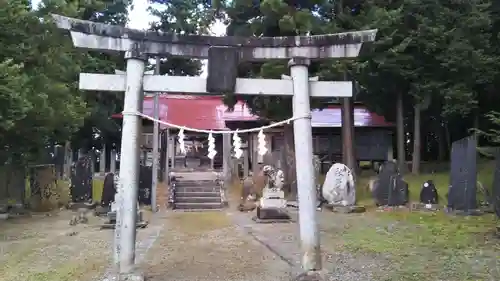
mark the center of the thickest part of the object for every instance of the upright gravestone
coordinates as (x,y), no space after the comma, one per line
(145,185)
(463,176)
(107,196)
(108,190)
(389,189)
(81,180)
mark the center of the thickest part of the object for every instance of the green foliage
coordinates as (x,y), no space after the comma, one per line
(39,102)
(442,56)
(182,17)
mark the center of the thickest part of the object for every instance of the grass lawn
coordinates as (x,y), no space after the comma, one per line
(428,245)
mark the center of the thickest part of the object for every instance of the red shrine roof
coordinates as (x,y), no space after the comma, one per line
(210,113)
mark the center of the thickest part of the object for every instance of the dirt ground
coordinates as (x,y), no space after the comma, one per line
(390,246)
(228,245)
(371,246)
(45,247)
(207,246)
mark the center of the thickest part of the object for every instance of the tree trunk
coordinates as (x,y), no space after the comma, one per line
(447,135)
(347,137)
(400,131)
(289,167)
(415,163)
(348,142)
(476,125)
(355,168)
(441,135)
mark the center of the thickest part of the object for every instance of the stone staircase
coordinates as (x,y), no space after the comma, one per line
(203,194)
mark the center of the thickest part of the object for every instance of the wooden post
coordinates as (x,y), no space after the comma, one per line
(80,153)
(156,144)
(144,156)
(68,160)
(174,151)
(112,161)
(226,158)
(167,154)
(245,158)
(290,167)
(102,160)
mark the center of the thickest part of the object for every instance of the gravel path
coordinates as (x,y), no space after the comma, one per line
(228,245)
(207,246)
(283,240)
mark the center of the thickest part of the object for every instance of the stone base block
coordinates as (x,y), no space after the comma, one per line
(112,217)
(424,207)
(392,208)
(309,276)
(474,212)
(257,220)
(134,276)
(81,205)
(272,203)
(141,224)
(348,209)
(272,215)
(101,211)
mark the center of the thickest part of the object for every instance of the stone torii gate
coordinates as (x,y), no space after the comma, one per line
(226,51)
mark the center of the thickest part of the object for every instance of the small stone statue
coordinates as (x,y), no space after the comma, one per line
(272,204)
(275,177)
(429,193)
(80,218)
(248,200)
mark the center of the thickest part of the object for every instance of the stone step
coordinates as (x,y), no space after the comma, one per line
(197,199)
(197,189)
(198,194)
(198,206)
(194,182)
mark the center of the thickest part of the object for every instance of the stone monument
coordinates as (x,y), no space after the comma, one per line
(108,190)
(389,189)
(462,191)
(339,189)
(113,209)
(107,196)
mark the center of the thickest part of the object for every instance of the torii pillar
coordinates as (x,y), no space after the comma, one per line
(298,50)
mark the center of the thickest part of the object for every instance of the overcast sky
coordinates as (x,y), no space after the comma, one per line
(139,18)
